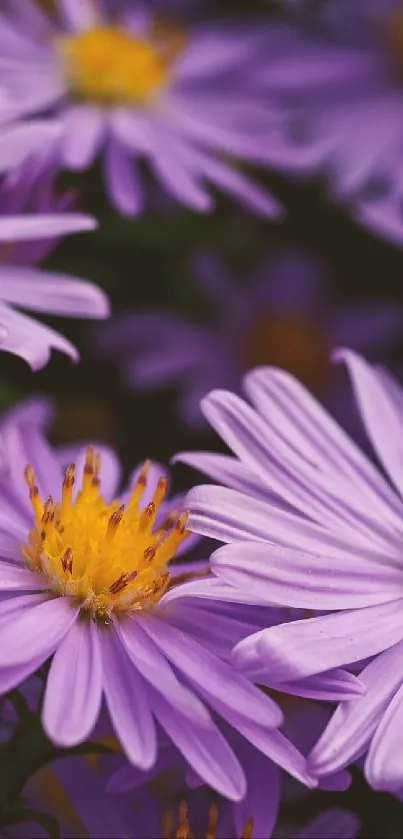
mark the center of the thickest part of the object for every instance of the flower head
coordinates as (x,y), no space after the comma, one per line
(338,78)
(106,557)
(314,525)
(283,315)
(132,86)
(32,220)
(87,579)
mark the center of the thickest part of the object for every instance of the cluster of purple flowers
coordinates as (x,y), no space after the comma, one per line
(197,664)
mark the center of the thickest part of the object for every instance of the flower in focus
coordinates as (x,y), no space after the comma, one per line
(339,83)
(282,316)
(87,579)
(32,220)
(132,86)
(314,525)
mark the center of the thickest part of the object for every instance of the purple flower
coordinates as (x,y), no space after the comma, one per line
(130,88)
(314,525)
(143,812)
(30,218)
(94,593)
(265,780)
(339,84)
(281,315)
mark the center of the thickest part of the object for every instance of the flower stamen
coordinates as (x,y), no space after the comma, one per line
(106,557)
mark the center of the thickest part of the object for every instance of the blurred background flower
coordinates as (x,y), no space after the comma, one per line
(337,73)
(127,83)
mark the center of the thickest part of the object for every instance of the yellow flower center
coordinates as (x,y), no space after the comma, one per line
(289,342)
(106,557)
(184,829)
(108,66)
(392,30)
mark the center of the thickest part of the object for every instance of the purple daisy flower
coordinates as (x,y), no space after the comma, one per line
(339,83)
(314,525)
(127,86)
(147,814)
(90,587)
(32,219)
(265,780)
(282,315)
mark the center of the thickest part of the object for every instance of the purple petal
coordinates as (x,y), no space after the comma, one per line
(332,824)
(155,668)
(226,470)
(208,674)
(74,686)
(127,702)
(78,15)
(17,579)
(384,763)
(378,412)
(292,412)
(57,294)
(30,340)
(231,516)
(295,479)
(84,131)
(334,686)
(289,577)
(19,141)
(122,179)
(302,648)
(262,799)
(353,723)
(205,749)
(35,631)
(26,227)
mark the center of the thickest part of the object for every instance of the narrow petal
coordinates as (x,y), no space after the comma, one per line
(32,341)
(17,579)
(226,470)
(231,516)
(207,673)
(41,226)
(302,648)
(378,412)
(58,294)
(332,824)
(21,140)
(294,478)
(74,686)
(384,763)
(84,131)
(78,15)
(154,667)
(289,577)
(205,749)
(127,702)
(122,179)
(262,799)
(35,631)
(353,723)
(298,417)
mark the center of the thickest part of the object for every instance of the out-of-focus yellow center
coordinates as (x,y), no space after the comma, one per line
(289,342)
(184,829)
(106,557)
(107,65)
(393,34)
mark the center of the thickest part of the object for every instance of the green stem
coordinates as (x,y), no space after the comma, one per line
(28,751)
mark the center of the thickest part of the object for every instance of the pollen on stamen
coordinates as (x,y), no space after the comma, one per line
(105,557)
(184,830)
